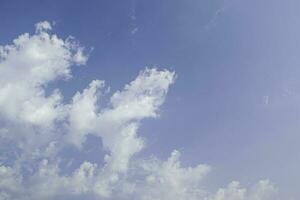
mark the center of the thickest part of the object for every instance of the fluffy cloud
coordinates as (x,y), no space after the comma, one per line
(37,127)
(263,190)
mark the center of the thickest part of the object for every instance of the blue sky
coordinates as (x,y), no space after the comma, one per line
(234,104)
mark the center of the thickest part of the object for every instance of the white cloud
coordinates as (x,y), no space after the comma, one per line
(43,26)
(37,125)
(26,67)
(83,113)
(169,180)
(11,186)
(263,190)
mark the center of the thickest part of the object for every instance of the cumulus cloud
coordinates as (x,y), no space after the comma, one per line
(263,190)
(37,125)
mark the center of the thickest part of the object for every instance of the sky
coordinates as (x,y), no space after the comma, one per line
(147,100)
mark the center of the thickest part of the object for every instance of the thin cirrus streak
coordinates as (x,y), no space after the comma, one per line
(37,126)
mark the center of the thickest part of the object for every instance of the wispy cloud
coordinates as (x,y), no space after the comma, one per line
(133,26)
(217,14)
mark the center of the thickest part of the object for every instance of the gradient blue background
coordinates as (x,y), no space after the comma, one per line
(236,101)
